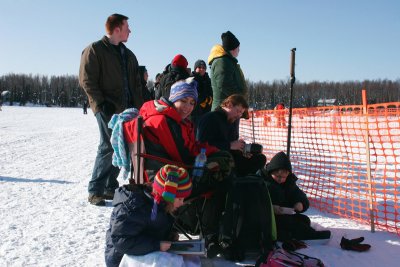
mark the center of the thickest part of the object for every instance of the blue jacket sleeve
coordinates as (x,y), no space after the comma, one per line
(128,234)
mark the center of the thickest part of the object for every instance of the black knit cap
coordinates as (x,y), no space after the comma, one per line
(279,161)
(229,41)
(199,63)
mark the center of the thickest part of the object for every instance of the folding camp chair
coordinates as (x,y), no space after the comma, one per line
(139,176)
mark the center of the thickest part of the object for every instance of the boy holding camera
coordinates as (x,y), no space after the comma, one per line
(218,129)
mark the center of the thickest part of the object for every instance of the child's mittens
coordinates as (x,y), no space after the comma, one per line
(354,244)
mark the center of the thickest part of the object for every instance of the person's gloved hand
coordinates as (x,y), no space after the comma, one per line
(108,108)
(354,244)
(292,245)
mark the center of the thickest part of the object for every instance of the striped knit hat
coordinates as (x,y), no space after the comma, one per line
(171,182)
(182,89)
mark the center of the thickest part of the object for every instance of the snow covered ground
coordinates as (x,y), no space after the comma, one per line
(46,159)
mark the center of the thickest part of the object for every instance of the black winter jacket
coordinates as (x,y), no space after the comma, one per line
(167,80)
(286,194)
(215,129)
(131,230)
(205,96)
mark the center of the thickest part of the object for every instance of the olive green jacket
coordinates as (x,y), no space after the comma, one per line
(101,76)
(226,76)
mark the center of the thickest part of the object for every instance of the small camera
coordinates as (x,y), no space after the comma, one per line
(252,148)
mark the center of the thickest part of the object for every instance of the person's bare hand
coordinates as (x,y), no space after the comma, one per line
(165,245)
(247,155)
(298,207)
(277,209)
(238,145)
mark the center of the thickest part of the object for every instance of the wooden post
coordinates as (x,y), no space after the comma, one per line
(292,81)
(368,160)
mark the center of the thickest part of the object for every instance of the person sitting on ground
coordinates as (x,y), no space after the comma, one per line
(141,221)
(289,202)
(218,128)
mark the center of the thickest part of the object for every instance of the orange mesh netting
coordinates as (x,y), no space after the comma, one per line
(329,155)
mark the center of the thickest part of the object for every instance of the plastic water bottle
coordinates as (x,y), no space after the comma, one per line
(199,164)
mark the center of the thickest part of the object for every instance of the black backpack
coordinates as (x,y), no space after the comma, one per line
(248,222)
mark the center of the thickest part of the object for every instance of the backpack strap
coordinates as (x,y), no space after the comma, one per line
(304,256)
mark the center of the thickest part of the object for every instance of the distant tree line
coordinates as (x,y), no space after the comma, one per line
(265,95)
(64,91)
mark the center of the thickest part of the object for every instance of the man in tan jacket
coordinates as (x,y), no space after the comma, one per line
(109,75)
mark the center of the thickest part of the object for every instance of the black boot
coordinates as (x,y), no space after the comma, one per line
(326,234)
(212,247)
(234,252)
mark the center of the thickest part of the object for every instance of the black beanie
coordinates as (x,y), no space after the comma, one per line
(199,63)
(279,161)
(229,41)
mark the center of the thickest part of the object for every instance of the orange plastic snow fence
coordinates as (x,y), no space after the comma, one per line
(328,154)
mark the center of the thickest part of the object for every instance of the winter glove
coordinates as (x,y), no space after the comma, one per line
(292,245)
(108,108)
(354,244)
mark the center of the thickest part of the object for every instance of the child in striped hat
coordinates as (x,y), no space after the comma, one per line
(172,185)
(136,228)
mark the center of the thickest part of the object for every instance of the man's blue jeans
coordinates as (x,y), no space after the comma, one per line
(104,176)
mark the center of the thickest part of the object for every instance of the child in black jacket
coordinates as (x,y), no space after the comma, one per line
(289,201)
(141,221)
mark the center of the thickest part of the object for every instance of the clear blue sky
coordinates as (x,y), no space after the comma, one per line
(336,40)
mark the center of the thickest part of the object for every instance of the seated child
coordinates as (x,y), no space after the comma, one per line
(289,201)
(141,221)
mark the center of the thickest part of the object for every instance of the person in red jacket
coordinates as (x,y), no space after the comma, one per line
(167,130)
(280,115)
(168,133)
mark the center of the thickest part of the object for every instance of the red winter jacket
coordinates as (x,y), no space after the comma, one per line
(166,135)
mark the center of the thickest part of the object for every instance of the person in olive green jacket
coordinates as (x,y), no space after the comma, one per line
(109,76)
(226,75)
